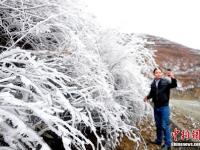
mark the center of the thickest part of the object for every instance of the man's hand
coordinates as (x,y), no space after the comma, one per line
(145,99)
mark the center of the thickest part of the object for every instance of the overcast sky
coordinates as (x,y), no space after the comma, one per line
(176,20)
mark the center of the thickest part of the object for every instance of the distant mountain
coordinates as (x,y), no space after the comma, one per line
(184,61)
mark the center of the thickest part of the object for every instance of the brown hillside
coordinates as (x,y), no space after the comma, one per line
(184,61)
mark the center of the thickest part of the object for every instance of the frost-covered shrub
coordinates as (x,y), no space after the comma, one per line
(72,79)
(128,61)
(44,24)
(36,98)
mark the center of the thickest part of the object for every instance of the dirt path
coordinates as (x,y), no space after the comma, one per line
(187,109)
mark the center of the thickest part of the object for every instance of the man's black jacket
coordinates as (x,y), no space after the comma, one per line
(161,94)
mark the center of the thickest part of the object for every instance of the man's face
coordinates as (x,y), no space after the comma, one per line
(168,73)
(158,74)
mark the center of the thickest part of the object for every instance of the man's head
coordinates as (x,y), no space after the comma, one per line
(157,72)
(168,72)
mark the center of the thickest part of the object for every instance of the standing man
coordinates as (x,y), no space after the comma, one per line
(160,93)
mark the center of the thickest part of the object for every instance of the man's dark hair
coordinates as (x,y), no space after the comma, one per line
(157,68)
(169,69)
